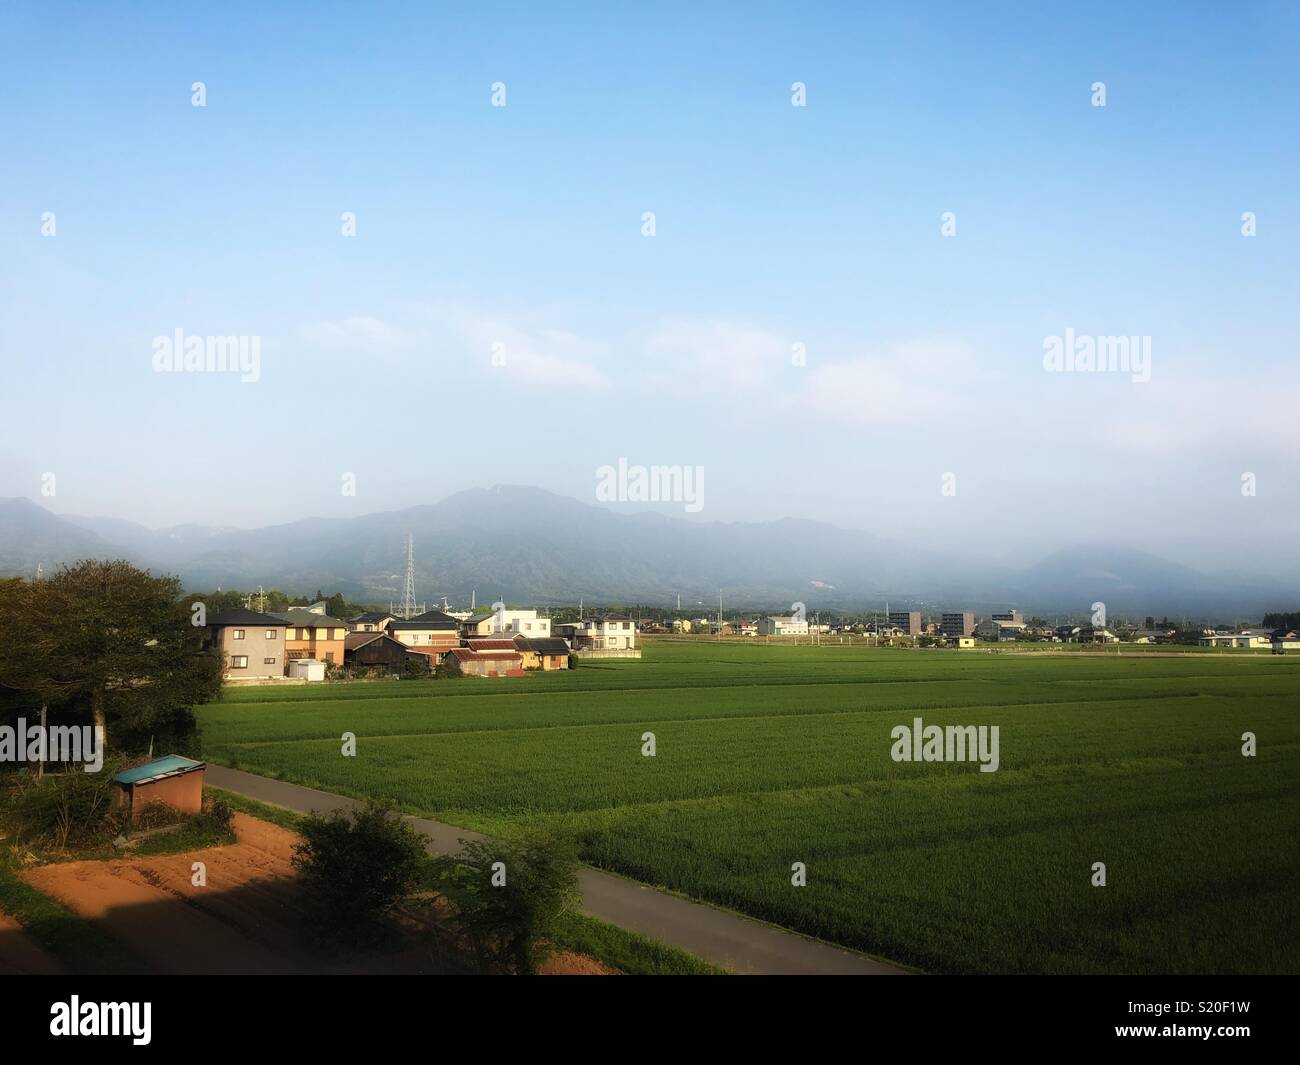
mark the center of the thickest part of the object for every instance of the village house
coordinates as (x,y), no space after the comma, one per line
(374,621)
(313,635)
(600,634)
(376,652)
(782,626)
(1001,629)
(431,633)
(545,653)
(477,626)
(1238,640)
(1285,641)
(471,663)
(251,644)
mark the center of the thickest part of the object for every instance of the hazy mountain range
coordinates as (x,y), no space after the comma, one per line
(528,545)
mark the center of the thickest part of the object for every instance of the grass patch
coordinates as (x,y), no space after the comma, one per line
(80,944)
(626,951)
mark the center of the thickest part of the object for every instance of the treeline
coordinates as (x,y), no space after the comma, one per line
(1282,620)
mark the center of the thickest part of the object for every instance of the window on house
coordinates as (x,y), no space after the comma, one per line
(238,634)
(268,661)
(270,634)
(239,661)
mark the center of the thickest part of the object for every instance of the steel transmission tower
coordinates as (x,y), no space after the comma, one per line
(408,596)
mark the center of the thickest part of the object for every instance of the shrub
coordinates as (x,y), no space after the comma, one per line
(507,897)
(155,814)
(416,667)
(356,865)
(66,808)
(218,815)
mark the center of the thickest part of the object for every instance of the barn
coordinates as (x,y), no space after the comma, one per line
(374,651)
(473,663)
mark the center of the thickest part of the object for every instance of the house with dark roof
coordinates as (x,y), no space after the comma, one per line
(251,644)
(374,652)
(472,663)
(372,621)
(313,635)
(545,653)
(431,633)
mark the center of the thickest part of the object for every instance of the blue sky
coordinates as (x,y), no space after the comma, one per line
(775,225)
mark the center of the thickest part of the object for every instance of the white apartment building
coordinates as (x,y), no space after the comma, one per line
(512,623)
(601,634)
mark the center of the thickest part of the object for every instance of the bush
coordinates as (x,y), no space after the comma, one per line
(218,816)
(356,865)
(416,667)
(68,808)
(507,897)
(156,814)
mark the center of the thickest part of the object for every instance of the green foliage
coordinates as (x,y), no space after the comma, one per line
(109,644)
(356,865)
(507,896)
(623,950)
(65,809)
(80,943)
(417,667)
(211,828)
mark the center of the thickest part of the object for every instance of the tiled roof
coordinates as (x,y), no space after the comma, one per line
(226,618)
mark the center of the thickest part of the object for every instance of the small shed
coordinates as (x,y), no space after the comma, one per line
(174,780)
(307,669)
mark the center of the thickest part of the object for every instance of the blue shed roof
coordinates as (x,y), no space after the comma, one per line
(169,766)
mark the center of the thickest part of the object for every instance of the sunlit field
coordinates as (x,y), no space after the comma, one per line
(771,755)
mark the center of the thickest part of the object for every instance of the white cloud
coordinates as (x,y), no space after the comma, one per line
(718,354)
(918,383)
(533,355)
(353,332)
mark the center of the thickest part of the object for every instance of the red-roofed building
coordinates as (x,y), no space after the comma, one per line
(473,663)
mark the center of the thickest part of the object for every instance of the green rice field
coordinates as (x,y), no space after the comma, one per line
(768,755)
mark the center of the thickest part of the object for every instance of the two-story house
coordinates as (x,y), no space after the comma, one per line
(313,635)
(252,644)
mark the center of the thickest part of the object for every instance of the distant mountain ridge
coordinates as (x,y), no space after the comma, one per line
(528,545)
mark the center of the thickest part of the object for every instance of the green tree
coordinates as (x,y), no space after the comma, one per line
(105,643)
(507,896)
(356,866)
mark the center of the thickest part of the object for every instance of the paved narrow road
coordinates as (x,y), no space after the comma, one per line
(739,943)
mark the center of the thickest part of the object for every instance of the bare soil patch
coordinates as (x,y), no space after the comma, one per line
(247,919)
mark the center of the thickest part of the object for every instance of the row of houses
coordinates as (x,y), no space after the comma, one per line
(304,642)
(961,629)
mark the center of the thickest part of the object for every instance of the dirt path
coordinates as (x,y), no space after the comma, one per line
(20,955)
(718,936)
(240,922)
